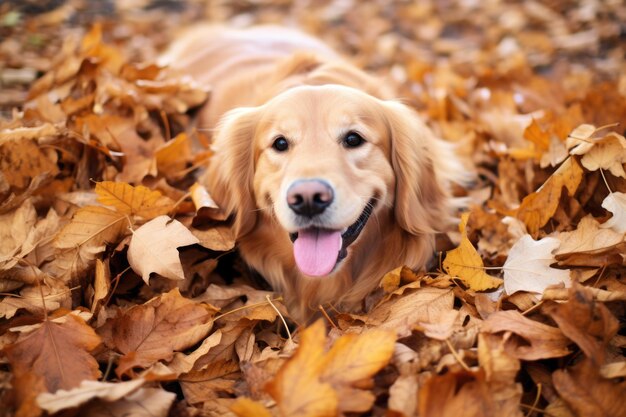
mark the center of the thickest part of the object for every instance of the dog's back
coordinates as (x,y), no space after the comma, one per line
(247,67)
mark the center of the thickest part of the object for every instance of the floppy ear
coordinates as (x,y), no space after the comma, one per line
(424,167)
(231,169)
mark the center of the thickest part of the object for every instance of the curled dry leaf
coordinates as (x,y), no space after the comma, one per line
(466,264)
(616,204)
(87,391)
(145,402)
(153,248)
(539,207)
(540,341)
(588,236)
(586,322)
(588,394)
(153,331)
(527,267)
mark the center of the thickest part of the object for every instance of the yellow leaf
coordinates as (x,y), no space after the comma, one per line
(466,264)
(245,407)
(172,157)
(356,357)
(297,388)
(539,207)
(94,225)
(140,201)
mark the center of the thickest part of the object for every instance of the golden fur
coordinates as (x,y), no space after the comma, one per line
(268,81)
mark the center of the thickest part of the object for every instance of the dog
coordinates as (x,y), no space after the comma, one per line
(330,183)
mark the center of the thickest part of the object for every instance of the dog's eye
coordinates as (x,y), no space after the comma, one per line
(280,144)
(353,140)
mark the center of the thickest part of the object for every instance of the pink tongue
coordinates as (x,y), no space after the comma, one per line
(316,251)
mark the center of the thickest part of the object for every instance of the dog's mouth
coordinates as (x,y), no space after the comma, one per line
(318,251)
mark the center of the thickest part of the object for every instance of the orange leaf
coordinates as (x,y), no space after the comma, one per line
(539,207)
(139,201)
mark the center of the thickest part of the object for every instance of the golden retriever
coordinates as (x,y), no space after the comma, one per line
(330,184)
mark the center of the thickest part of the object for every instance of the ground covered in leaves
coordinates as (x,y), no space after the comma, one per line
(108,307)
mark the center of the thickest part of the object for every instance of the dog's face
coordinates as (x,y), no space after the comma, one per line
(321,162)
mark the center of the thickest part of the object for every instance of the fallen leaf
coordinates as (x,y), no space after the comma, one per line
(153,248)
(93,225)
(87,391)
(155,330)
(245,407)
(588,394)
(403,395)
(466,264)
(527,268)
(539,207)
(172,157)
(52,357)
(145,402)
(588,323)
(21,159)
(138,201)
(540,341)
(588,236)
(616,204)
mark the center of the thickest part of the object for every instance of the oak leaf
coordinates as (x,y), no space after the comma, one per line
(153,331)
(153,248)
(466,264)
(527,267)
(137,201)
(539,207)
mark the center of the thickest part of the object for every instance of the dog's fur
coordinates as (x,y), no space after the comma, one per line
(268,81)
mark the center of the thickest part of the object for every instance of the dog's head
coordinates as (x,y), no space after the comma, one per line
(321,162)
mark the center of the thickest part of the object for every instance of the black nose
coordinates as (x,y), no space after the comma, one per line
(309,197)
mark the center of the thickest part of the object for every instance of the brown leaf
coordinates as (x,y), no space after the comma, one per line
(540,341)
(22,160)
(588,394)
(588,323)
(173,156)
(52,357)
(155,330)
(245,407)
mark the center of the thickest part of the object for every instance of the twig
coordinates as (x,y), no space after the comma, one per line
(332,323)
(537,397)
(457,356)
(267,297)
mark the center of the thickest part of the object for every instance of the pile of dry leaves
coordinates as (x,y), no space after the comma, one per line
(117,301)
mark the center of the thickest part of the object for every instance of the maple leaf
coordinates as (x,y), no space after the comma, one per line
(153,331)
(605,152)
(466,264)
(306,385)
(54,356)
(616,204)
(138,201)
(539,207)
(527,268)
(153,248)
(543,341)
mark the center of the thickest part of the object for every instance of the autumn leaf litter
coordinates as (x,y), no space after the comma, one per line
(521,315)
